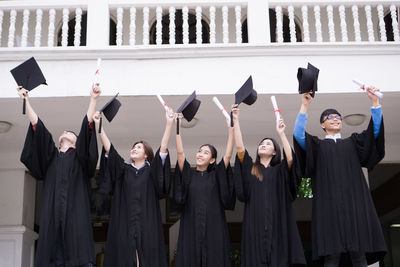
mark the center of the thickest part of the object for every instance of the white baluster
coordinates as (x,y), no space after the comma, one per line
(318,26)
(279,24)
(50,37)
(306,28)
(331,24)
(370,25)
(11,31)
(120,27)
(225,25)
(64,33)
(238,12)
(199,38)
(38,28)
(25,28)
(78,21)
(343,24)
(212,25)
(172,25)
(146,39)
(1,24)
(357,32)
(185,26)
(159,26)
(132,26)
(382,28)
(292,25)
(395,25)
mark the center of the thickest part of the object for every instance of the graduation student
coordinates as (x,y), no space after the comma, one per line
(65,235)
(344,222)
(203,194)
(267,187)
(135,233)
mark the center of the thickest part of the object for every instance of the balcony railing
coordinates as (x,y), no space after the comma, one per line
(196,23)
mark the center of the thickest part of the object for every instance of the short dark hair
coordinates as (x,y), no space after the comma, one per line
(214,154)
(328,112)
(148,150)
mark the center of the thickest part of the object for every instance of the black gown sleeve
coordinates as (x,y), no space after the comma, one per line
(181,183)
(225,185)
(161,174)
(291,177)
(370,150)
(242,177)
(111,169)
(86,147)
(305,160)
(39,149)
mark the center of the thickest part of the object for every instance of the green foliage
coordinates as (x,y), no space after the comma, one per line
(236,258)
(305,189)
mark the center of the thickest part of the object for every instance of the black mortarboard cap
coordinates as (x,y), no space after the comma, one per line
(246,93)
(28,75)
(189,107)
(308,79)
(110,109)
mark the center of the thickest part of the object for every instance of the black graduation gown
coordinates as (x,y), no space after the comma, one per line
(135,222)
(344,217)
(66,203)
(203,233)
(269,232)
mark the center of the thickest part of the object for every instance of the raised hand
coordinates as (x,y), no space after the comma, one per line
(305,102)
(280,126)
(95,91)
(22,92)
(374,99)
(96,118)
(170,115)
(235,112)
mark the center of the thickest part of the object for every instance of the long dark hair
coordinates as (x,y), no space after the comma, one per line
(276,159)
(214,154)
(148,150)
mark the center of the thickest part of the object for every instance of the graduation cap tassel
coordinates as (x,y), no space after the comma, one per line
(177,126)
(24,107)
(100,124)
(231,119)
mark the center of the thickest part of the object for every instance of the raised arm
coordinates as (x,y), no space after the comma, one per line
(376,110)
(229,145)
(299,131)
(236,128)
(169,117)
(103,136)
(280,128)
(179,147)
(94,94)
(23,94)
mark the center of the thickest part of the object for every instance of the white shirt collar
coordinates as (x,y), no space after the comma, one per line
(144,164)
(334,137)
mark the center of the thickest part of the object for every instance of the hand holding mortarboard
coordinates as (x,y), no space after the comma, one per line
(245,94)
(308,79)
(110,109)
(188,108)
(29,76)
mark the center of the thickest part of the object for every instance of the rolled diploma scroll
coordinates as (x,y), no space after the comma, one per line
(364,88)
(162,102)
(219,105)
(276,109)
(97,73)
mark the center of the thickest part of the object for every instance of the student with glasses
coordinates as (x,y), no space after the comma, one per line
(345,223)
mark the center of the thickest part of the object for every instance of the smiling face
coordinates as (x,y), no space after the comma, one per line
(138,152)
(67,138)
(204,157)
(332,123)
(266,148)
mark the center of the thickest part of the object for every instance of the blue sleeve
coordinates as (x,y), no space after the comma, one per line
(376,119)
(300,129)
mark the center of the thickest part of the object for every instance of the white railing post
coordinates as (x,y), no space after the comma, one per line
(199,33)
(279,24)
(38,27)
(120,27)
(64,29)
(78,27)
(318,26)
(306,27)
(370,25)
(225,25)
(382,28)
(212,25)
(146,13)
(357,33)
(50,36)
(172,11)
(395,25)
(343,24)
(132,26)
(159,25)
(331,24)
(238,24)
(25,28)
(98,23)
(1,24)
(292,25)
(185,26)
(258,29)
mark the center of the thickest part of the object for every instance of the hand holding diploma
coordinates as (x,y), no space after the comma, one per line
(276,109)
(97,73)
(365,88)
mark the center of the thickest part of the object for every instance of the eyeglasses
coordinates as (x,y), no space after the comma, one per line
(331,117)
